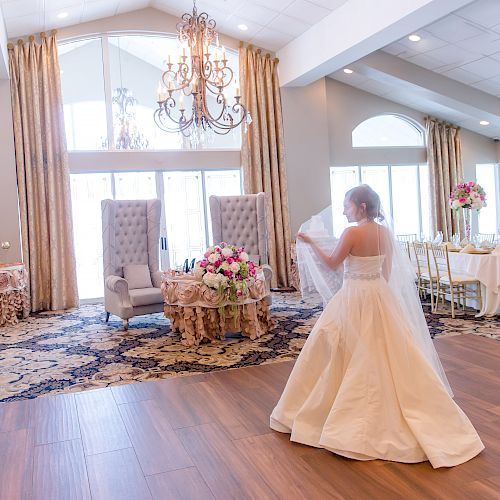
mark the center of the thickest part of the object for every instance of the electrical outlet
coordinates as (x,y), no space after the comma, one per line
(5,245)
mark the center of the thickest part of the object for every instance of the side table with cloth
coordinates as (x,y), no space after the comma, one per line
(196,310)
(14,298)
(486,269)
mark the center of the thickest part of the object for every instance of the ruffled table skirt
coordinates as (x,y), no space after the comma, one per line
(198,324)
(14,298)
(200,314)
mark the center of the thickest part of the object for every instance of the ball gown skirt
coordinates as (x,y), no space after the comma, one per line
(362,388)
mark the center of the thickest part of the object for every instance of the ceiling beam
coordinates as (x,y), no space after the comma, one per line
(420,83)
(4,56)
(354,30)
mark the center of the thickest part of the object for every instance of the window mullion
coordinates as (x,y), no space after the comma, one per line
(108,92)
(205,202)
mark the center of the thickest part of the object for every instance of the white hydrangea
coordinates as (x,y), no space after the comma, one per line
(244,256)
(227,252)
(198,271)
(225,266)
(213,280)
(234,267)
(213,257)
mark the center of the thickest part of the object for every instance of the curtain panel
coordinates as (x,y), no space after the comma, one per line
(444,156)
(42,173)
(263,154)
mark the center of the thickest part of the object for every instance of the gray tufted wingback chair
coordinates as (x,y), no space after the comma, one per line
(241,221)
(130,235)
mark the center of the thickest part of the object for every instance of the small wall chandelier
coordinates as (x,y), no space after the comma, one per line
(200,74)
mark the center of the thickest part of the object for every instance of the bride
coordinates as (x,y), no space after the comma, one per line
(368,382)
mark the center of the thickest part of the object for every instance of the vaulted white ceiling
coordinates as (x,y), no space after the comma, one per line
(271,24)
(453,72)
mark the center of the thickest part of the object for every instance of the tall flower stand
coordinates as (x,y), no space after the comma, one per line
(467,223)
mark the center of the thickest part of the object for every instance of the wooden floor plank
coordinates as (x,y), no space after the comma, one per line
(59,472)
(16,415)
(226,471)
(117,475)
(156,444)
(16,469)
(101,424)
(182,484)
(55,419)
(207,436)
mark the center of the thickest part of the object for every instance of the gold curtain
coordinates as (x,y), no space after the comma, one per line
(263,154)
(42,173)
(444,156)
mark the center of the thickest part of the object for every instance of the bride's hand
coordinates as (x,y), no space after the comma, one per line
(304,237)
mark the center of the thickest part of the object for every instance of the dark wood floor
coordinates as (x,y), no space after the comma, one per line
(207,437)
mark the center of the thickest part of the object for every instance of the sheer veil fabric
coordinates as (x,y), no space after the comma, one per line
(368,383)
(316,279)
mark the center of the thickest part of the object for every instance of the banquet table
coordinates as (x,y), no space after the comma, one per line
(486,269)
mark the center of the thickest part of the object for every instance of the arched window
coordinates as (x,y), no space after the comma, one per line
(388,131)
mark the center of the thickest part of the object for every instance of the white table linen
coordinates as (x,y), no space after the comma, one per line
(486,269)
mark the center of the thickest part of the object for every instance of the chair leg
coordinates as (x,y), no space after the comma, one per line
(452,303)
(125,324)
(107,316)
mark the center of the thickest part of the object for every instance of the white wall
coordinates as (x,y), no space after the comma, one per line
(9,214)
(305,125)
(318,121)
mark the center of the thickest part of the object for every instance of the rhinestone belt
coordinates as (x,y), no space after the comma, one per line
(359,276)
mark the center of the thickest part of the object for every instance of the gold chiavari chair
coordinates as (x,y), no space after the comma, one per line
(490,238)
(458,286)
(424,274)
(405,240)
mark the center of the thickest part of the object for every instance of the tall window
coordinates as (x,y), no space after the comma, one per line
(488,176)
(388,130)
(403,190)
(109,86)
(185,220)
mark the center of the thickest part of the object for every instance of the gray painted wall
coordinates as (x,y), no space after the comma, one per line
(318,122)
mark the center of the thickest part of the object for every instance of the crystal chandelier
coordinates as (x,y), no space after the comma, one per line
(201,77)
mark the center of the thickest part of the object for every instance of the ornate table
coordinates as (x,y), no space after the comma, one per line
(14,299)
(197,311)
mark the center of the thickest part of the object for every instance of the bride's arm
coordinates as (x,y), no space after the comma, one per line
(339,254)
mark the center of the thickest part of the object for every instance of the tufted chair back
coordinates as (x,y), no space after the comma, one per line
(241,221)
(130,234)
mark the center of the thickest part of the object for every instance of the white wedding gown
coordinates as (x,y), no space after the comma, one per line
(362,388)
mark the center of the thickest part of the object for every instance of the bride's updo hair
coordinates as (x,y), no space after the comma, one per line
(364,194)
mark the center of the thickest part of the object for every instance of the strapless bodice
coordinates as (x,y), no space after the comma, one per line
(363,268)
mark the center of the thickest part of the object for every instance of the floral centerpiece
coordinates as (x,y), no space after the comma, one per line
(469,196)
(227,268)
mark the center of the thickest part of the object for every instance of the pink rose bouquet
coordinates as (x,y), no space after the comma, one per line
(227,269)
(467,195)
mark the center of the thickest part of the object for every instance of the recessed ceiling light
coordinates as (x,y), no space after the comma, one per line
(484,122)
(243,27)
(62,15)
(348,71)
(414,38)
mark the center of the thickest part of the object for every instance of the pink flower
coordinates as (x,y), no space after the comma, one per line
(467,190)
(228,273)
(471,183)
(217,249)
(203,263)
(217,263)
(462,200)
(229,260)
(239,293)
(206,254)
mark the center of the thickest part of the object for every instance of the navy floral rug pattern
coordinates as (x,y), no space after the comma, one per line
(51,353)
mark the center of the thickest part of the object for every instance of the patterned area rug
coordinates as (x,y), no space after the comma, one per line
(77,350)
